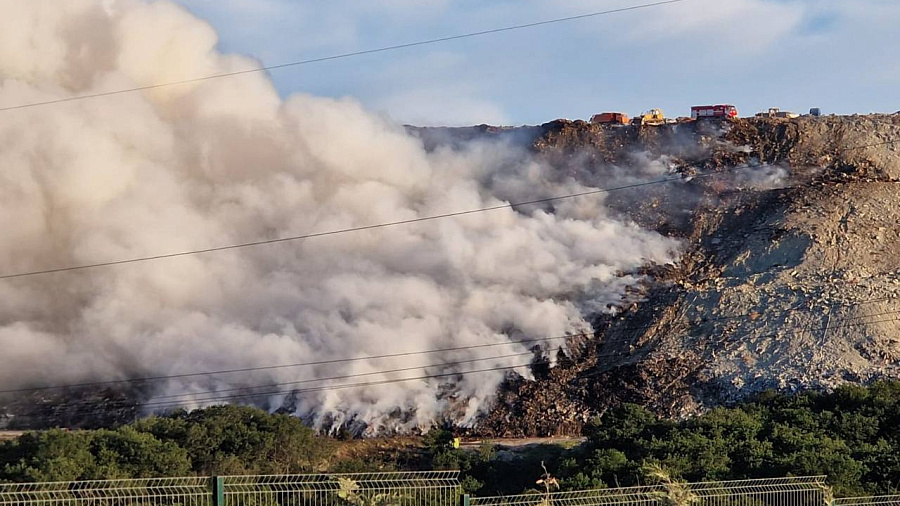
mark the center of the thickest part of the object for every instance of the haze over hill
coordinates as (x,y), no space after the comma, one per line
(779,271)
(228,161)
(788,280)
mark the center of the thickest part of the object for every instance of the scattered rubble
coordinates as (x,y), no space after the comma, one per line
(790,286)
(790,277)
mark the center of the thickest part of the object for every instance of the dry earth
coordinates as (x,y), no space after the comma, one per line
(789,287)
(791,282)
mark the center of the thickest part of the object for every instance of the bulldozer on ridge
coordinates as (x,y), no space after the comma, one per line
(653,117)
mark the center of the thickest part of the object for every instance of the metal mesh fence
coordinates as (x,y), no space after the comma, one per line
(432,488)
(140,492)
(807,491)
(650,495)
(802,491)
(881,500)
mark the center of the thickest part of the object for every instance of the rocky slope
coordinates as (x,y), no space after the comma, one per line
(790,283)
(790,276)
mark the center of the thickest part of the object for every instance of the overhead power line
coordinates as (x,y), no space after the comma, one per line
(215,397)
(350,376)
(358,229)
(512,205)
(403,354)
(294,365)
(312,389)
(873,145)
(177,400)
(343,386)
(220,372)
(361,384)
(343,55)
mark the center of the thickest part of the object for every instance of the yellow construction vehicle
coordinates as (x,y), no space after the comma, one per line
(653,117)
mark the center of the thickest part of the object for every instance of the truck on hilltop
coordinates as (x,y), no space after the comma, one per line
(610,118)
(714,111)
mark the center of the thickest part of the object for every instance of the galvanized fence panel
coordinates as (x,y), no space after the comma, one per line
(806,491)
(135,492)
(878,500)
(793,491)
(430,488)
(433,488)
(647,495)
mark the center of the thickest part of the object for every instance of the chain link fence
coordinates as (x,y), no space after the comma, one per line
(794,491)
(140,492)
(431,488)
(805,491)
(879,500)
(649,495)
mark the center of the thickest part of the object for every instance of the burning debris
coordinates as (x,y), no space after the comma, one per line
(790,281)
(792,220)
(229,161)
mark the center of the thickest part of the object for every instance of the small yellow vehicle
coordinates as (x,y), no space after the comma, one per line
(653,117)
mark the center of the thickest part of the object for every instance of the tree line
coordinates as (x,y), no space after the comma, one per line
(851,434)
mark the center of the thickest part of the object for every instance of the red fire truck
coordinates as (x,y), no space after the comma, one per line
(713,111)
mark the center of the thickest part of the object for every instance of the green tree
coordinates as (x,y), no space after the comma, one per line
(127,453)
(242,440)
(52,455)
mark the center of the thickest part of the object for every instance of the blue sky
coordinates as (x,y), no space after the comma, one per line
(839,55)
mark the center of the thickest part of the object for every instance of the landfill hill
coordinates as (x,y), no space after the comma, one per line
(790,284)
(789,278)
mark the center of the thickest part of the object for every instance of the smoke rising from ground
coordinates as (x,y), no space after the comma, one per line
(229,161)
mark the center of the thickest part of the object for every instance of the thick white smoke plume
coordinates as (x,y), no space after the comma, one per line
(228,161)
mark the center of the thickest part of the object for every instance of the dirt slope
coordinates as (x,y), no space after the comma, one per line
(791,282)
(790,287)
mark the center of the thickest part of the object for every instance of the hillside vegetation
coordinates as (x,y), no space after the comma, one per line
(849,434)
(216,440)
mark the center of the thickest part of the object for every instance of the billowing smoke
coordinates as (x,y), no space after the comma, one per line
(228,161)
(760,176)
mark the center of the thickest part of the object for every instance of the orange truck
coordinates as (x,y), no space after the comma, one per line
(610,118)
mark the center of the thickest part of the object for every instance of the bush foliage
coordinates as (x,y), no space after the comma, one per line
(217,440)
(851,435)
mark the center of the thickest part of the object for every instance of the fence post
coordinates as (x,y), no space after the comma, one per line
(218,491)
(465,500)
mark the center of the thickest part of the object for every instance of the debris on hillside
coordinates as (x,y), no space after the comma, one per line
(789,279)
(789,285)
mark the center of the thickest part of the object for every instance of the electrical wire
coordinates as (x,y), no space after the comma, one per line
(361,228)
(215,395)
(341,56)
(354,385)
(510,205)
(356,375)
(513,205)
(106,404)
(864,146)
(615,329)
(286,366)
